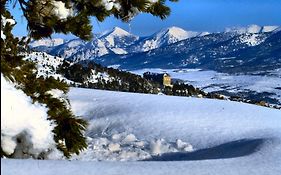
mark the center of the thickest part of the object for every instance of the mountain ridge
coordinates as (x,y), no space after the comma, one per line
(174,47)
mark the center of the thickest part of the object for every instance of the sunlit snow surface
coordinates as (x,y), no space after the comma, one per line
(203,123)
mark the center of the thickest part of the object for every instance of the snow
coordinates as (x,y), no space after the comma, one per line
(47,65)
(110,4)
(117,36)
(69,48)
(61,11)
(114,66)
(186,123)
(116,41)
(120,112)
(47,42)
(7,20)
(96,77)
(251,39)
(90,50)
(230,167)
(249,29)
(4,21)
(252,29)
(119,51)
(269,28)
(119,41)
(165,37)
(177,34)
(23,119)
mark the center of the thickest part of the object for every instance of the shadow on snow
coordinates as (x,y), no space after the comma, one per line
(232,149)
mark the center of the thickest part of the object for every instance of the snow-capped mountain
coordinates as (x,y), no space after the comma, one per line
(118,38)
(176,48)
(116,41)
(163,38)
(225,52)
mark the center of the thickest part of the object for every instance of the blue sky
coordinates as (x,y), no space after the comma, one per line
(196,15)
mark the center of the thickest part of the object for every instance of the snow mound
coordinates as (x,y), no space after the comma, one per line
(126,146)
(25,130)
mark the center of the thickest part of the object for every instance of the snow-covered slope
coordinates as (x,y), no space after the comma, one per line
(236,138)
(201,122)
(47,65)
(252,39)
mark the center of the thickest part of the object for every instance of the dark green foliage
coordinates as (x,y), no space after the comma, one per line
(69,130)
(125,81)
(182,89)
(120,80)
(42,22)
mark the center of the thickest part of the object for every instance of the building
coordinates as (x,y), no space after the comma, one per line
(163,79)
(167,80)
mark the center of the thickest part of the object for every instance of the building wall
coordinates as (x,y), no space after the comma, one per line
(167,80)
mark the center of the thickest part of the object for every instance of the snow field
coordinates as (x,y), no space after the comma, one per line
(200,122)
(127,126)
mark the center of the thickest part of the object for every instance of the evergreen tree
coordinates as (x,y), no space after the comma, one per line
(45,17)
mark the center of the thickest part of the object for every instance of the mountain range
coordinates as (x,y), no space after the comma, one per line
(246,49)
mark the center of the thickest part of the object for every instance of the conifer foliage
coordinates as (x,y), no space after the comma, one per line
(45,17)
(69,130)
